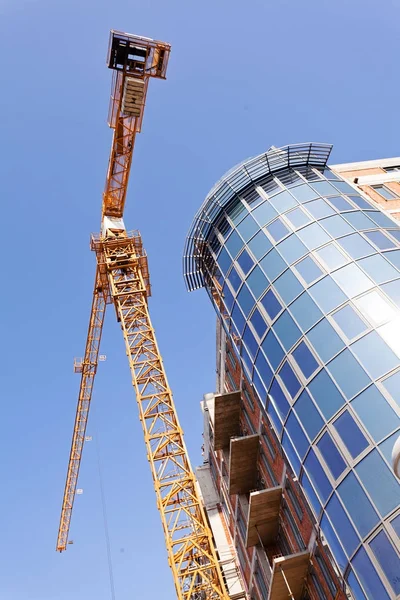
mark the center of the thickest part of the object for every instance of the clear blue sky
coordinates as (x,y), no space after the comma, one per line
(242,76)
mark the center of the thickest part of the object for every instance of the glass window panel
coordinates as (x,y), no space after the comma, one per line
(392,289)
(290,380)
(324,188)
(247,361)
(316,474)
(342,524)
(326,395)
(277,230)
(273,264)
(313,235)
(228,298)
(391,334)
(308,415)
(336,226)
(238,318)
(298,217)
(308,269)
(352,280)
(380,240)
(394,232)
(264,370)
(259,387)
(357,504)
(305,311)
(311,495)
(237,212)
(247,228)
(360,202)
(383,191)
(352,436)
(303,193)
(378,268)
(288,286)
(245,300)
(264,213)
(252,197)
(375,308)
(283,201)
(287,331)
(355,587)
(291,454)
(319,208)
(257,282)
(368,576)
(381,219)
(269,185)
(234,244)
(394,257)
(257,320)
(334,543)
(374,354)
(349,322)
(388,559)
(348,374)
(246,263)
(272,349)
(386,447)
(250,341)
(235,279)
(297,436)
(327,294)
(292,249)
(359,220)
(344,187)
(331,256)
(356,246)
(305,360)
(326,172)
(224,261)
(331,455)
(224,227)
(259,245)
(379,482)
(368,405)
(392,385)
(271,304)
(340,203)
(279,400)
(395,523)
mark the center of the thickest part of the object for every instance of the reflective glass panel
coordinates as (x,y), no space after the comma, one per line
(250,341)
(235,279)
(303,193)
(325,340)
(381,219)
(327,294)
(288,286)
(237,212)
(264,369)
(257,282)
(326,395)
(305,360)
(228,298)
(368,576)
(394,232)
(379,482)
(352,436)
(308,269)
(264,213)
(238,318)
(291,454)
(234,244)
(259,245)
(340,203)
(357,504)
(224,261)
(334,544)
(356,246)
(374,354)
(395,523)
(324,188)
(360,202)
(308,415)
(279,399)
(348,374)
(359,220)
(245,300)
(331,256)
(352,280)
(290,380)
(392,384)
(271,304)
(273,264)
(319,208)
(313,235)
(394,257)
(246,263)
(344,187)
(298,217)
(380,240)
(283,201)
(375,308)
(273,350)
(292,249)
(386,447)
(311,495)
(275,419)
(317,476)
(392,289)
(355,587)
(378,268)
(296,433)
(388,559)
(368,405)
(247,228)
(305,311)
(342,524)
(336,226)
(286,330)
(277,230)
(257,320)
(349,322)
(331,455)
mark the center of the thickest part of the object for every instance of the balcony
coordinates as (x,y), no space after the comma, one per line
(263,517)
(226,419)
(288,575)
(243,464)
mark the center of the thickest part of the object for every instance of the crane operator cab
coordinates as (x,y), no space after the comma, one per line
(137,56)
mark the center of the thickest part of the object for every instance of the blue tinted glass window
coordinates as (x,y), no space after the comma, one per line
(311,495)
(271,304)
(394,257)
(332,256)
(228,297)
(291,454)
(279,399)
(386,447)
(247,361)
(381,219)
(264,369)
(308,415)
(359,220)
(277,230)
(313,235)
(238,318)
(324,188)
(388,559)
(368,576)
(257,320)
(336,226)
(340,203)
(298,438)
(259,387)
(292,249)
(234,244)
(352,280)
(283,201)
(348,374)
(303,193)
(245,300)
(357,504)
(290,380)
(395,523)
(319,208)
(247,228)
(288,286)
(298,217)
(355,587)
(380,240)
(325,340)
(334,544)
(349,322)
(374,354)
(273,264)
(392,289)
(356,246)
(259,245)
(237,212)
(352,436)
(224,261)
(308,269)
(235,279)
(368,405)
(379,482)
(342,524)
(326,395)
(264,213)
(273,349)
(344,187)
(245,262)
(250,341)
(394,232)
(360,202)
(378,268)
(331,455)
(257,282)
(392,384)
(327,294)
(305,360)
(317,476)
(305,311)
(287,331)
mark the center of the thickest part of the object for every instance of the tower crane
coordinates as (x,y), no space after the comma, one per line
(122,279)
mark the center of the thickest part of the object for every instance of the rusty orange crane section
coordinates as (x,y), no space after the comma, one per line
(122,279)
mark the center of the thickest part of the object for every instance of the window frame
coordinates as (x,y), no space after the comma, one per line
(385,188)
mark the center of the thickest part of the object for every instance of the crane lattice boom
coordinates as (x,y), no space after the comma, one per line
(122,278)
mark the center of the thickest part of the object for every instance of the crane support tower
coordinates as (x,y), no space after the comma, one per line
(122,279)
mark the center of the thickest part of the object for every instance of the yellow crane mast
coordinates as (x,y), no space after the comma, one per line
(122,279)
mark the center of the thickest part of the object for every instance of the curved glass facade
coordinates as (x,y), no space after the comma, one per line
(305,274)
